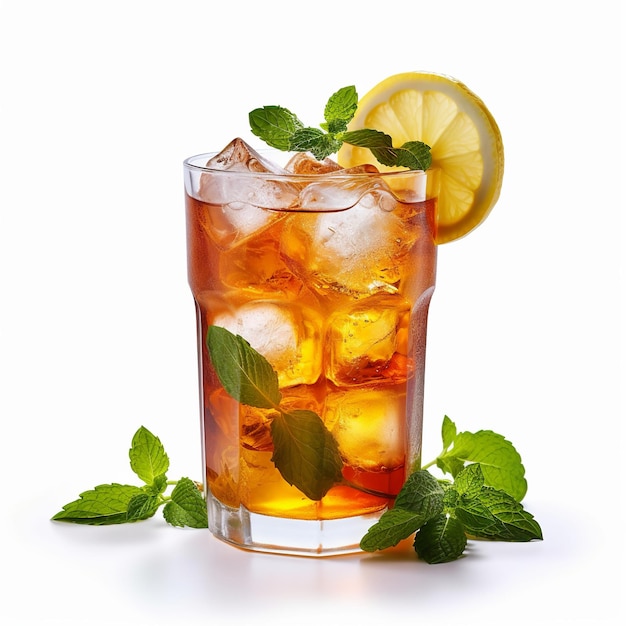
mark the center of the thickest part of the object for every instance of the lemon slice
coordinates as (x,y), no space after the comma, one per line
(465,142)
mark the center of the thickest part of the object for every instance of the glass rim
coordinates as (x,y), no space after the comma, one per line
(189,164)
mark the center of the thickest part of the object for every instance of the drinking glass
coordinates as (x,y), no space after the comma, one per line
(328,275)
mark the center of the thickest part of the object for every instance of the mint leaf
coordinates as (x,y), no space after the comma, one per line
(450,499)
(450,464)
(275,125)
(103,505)
(314,140)
(281,129)
(419,500)
(413,154)
(469,481)
(421,493)
(158,486)
(448,432)
(118,504)
(379,144)
(494,514)
(440,540)
(147,456)
(245,374)
(340,109)
(368,138)
(500,462)
(305,452)
(392,527)
(187,506)
(142,506)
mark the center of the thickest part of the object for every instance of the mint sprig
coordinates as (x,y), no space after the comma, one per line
(483,501)
(281,129)
(500,462)
(419,500)
(305,452)
(119,504)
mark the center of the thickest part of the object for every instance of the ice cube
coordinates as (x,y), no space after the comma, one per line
(240,199)
(255,428)
(369,426)
(238,156)
(256,265)
(359,251)
(304,163)
(340,191)
(368,342)
(221,445)
(286,334)
(256,423)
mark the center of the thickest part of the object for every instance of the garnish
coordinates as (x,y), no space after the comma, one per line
(483,501)
(118,504)
(305,452)
(281,129)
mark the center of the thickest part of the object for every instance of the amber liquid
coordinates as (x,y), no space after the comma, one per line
(346,341)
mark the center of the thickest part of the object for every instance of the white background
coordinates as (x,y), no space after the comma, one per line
(101,101)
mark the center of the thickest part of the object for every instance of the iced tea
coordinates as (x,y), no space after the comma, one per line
(327,273)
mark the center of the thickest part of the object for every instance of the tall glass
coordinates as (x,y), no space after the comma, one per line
(328,274)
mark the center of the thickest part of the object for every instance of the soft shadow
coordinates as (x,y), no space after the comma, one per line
(138,533)
(402,552)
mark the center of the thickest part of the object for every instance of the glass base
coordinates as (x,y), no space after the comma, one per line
(279,535)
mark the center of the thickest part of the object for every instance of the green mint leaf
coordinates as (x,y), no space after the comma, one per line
(450,464)
(475,517)
(187,506)
(275,125)
(500,462)
(147,456)
(450,499)
(419,500)
(448,432)
(314,140)
(281,129)
(469,481)
(305,452)
(392,527)
(340,109)
(142,506)
(440,540)
(157,487)
(245,374)
(368,138)
(334,128)
(494,514)
(414,154)
(421,493)
(103,505)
